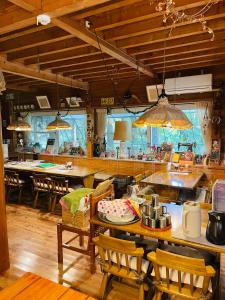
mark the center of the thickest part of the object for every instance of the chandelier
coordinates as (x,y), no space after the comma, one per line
(172,15)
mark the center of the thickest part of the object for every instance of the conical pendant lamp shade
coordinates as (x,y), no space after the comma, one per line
(19,125)
(58,124)
(164,115)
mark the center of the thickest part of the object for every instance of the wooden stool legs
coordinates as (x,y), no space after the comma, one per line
(60,248)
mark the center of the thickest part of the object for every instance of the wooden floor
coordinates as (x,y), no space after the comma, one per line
(33,248)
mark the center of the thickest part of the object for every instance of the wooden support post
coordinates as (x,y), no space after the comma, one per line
(4,250)
(90,131)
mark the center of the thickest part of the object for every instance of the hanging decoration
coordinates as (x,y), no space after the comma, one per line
(173,16)
(2,83)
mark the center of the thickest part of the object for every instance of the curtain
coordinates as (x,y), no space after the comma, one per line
(101,122)
(204,109)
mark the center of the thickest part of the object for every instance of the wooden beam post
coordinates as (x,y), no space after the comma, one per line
(4,250)
(20,69)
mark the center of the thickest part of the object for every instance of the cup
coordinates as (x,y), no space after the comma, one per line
(69,165)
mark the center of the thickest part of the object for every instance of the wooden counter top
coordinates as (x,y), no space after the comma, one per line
(174,179)
(176,217)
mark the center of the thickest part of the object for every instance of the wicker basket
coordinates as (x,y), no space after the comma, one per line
(80,219)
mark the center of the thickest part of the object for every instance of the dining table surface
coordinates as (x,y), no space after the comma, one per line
(176,218)
(57,169)
(181,180)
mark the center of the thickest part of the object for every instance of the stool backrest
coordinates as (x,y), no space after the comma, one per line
(60,185)
(183,266)
(11,178)
(115,254)
(41,182)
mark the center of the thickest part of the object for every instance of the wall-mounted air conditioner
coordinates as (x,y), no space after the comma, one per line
(152,92)
(188,84)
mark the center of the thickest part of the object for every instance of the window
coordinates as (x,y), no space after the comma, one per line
(39,134)
(143,136)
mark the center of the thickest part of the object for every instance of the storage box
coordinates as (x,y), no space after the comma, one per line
(80,219)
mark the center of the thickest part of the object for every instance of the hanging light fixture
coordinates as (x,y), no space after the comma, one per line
(19,125)
(58,123)
(163,114)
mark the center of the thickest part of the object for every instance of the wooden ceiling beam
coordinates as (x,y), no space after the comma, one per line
(20,69)
(155,24)
(68,54)
(43,37)
(112,76)
(76,61)
(31,5)
(99,70)
(69,43)
(15,87)
(20,18)
(87,36)
(136,12)
(179,32)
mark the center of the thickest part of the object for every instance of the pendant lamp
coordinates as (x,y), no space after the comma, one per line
(58,124)
(163,114)
(19,125)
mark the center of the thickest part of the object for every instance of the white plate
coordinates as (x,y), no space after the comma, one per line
(124,219)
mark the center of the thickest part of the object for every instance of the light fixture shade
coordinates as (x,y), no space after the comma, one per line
(122,131)
(164,115)
(58,124)
(19,125)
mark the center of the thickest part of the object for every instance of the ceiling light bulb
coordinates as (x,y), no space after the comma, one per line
(43,19)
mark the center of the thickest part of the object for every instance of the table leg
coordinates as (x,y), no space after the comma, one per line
(222,276)
(88,181)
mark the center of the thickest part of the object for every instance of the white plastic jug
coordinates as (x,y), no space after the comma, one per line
(191,220)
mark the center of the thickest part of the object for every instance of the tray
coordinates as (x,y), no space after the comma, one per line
(156,229)
(102,218)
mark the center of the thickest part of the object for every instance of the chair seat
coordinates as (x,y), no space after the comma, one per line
(185,277)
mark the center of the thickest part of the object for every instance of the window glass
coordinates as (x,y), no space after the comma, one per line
(156,136)
(77,134)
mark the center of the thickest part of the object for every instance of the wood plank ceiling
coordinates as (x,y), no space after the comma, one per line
(131,34)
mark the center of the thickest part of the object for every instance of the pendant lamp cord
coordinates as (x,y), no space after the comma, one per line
(112,81)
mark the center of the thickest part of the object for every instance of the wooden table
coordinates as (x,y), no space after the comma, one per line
(174,179)
(176,216)
(32,286)
(87,174)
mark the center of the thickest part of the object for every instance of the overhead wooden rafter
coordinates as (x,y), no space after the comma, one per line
(89,37)
(20,69)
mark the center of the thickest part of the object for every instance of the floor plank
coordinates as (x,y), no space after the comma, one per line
(33,248)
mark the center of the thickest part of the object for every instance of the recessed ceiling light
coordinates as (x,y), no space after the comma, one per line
(43,19)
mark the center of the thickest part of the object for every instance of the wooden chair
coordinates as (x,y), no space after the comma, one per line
(59,188)
(121,259)
(138,178)
(178,275)
(105,190)
(12,183)
(41,184)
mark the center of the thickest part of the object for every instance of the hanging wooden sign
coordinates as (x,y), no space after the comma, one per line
(107,101)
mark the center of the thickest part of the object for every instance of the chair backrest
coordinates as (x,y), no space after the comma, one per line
(60,185)
(115,254)
(138,178)
(41,182)
(11,178)
(186,269)
(103,190)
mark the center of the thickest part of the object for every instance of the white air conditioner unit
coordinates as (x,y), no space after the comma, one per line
(152,92)
(188,84)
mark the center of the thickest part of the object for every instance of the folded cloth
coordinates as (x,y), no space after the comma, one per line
(73,199)
(117,208)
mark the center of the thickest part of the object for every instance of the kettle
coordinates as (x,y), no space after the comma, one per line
(191,219)
(215,232)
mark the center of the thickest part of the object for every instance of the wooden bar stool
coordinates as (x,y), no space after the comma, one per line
(182,276)
(41,184)
(59,188)
(69,224)
(13,183)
